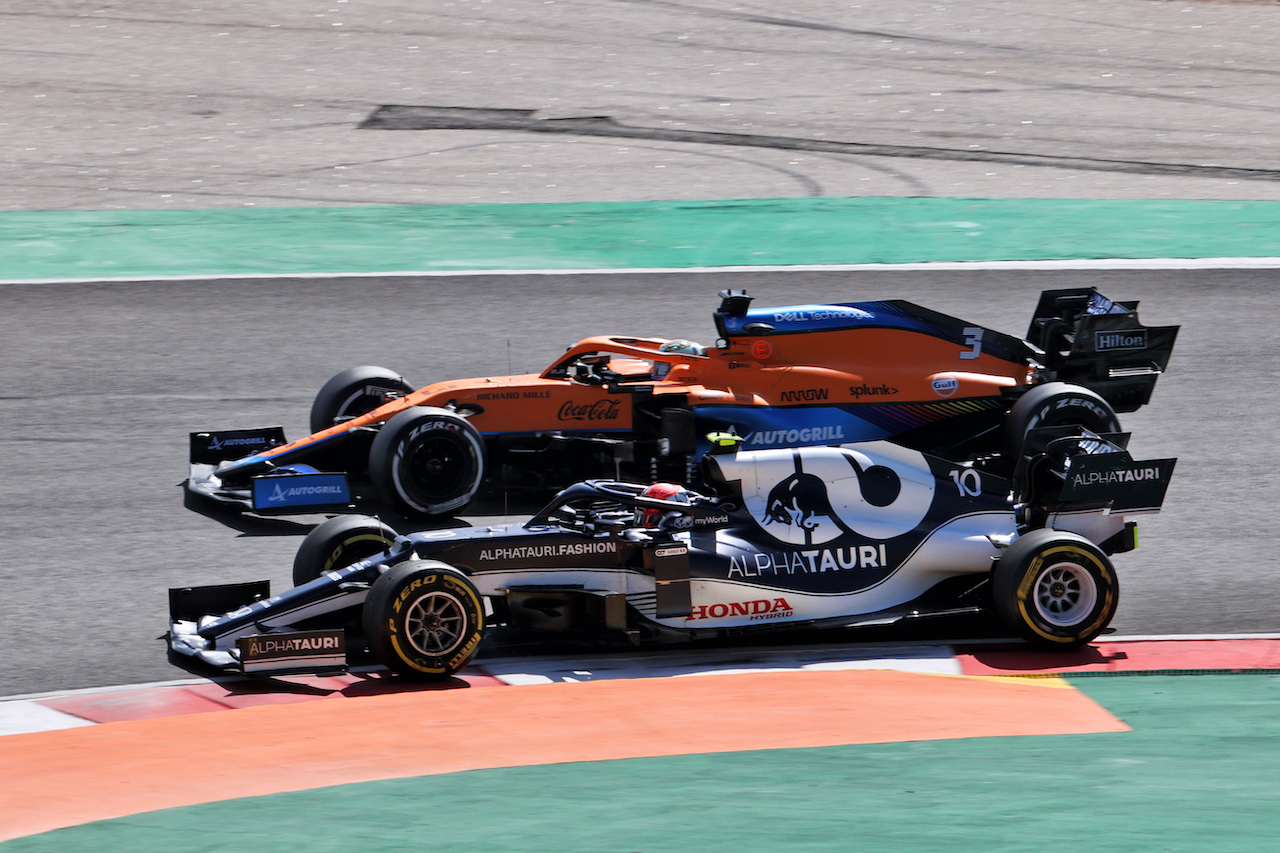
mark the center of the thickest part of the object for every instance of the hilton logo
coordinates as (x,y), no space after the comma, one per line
(1135,339)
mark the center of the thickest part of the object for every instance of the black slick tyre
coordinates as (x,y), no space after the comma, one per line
(1059,404)
(427,462)
(1055,589)
(354,392)
(423,620)
(338,542)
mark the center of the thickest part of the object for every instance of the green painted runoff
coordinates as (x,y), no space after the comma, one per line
(756,232)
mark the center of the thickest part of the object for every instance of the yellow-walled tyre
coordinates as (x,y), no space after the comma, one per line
(1057,590)
(337,542)
(423,620)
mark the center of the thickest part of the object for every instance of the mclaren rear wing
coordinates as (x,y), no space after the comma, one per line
(1092,341)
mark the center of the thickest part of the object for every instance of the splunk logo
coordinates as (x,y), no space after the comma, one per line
(756,611)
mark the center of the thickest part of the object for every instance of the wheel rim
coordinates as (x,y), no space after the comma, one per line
(437,469)
(1065,594)
(435,623)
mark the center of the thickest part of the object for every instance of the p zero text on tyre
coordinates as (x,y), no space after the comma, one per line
(424,620)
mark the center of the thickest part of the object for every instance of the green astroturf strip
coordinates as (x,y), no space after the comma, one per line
(89,244)
(1199,772)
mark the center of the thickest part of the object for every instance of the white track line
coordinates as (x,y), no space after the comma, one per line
(948,266)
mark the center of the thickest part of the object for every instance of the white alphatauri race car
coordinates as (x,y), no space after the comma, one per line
(803,538)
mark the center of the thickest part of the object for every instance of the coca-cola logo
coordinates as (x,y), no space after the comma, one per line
(601,410)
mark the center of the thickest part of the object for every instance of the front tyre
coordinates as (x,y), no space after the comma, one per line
(427,462)
(1057,590)
(423,620)
(337,542)
(354,392)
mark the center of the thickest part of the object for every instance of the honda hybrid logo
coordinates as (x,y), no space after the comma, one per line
(759,610)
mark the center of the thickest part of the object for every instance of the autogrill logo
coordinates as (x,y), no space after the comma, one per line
(565,549)
(1127,475)
(1136,339)
(808,435)
(282,494)
(216,443)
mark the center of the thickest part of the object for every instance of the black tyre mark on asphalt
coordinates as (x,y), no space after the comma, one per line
(402,117)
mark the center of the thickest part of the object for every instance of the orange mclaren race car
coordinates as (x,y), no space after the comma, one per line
(641,409)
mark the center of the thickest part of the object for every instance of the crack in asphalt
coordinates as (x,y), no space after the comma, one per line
(403,117)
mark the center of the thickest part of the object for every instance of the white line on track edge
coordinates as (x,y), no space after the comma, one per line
(1081,264)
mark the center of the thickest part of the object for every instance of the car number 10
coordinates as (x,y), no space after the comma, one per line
(968,482)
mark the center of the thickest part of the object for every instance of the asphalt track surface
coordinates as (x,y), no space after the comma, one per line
(141,104)
(107,380)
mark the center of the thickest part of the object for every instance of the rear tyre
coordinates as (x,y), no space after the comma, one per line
(354,392)
(338,542)
(1057,404)
(423,620)
(1057,590)
(427,462)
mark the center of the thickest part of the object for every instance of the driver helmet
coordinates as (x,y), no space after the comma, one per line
(646,517)
(683,347)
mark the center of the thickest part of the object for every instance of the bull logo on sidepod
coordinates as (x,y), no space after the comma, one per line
(812,495)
